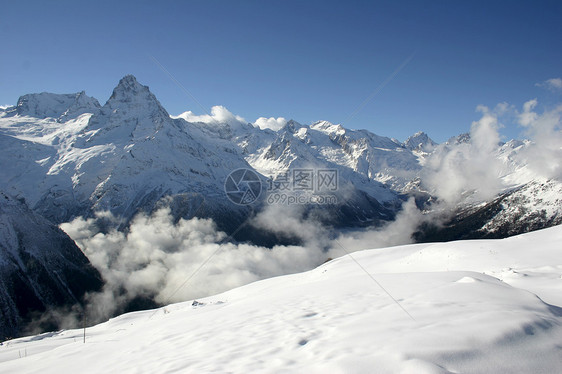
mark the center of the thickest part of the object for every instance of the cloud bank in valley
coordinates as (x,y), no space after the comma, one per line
(467,166)
(156,256)
(161,260)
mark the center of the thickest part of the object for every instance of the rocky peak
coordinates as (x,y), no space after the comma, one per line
(130,94)
(419,141)
(328,128)
(127,88)
(132,111)
(291,126)
(459,139)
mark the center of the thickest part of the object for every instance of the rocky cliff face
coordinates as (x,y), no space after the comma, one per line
(40,267)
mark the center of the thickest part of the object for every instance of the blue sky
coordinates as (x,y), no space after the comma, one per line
(306,60)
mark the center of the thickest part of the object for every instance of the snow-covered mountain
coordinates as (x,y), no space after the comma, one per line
(40,267)
(421,142)
(462,307)
(362,156)
(532,206)
(68,156)
(123,157)
(59,106)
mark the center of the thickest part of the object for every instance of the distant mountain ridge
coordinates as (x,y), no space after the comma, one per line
(60,106)
(530,207)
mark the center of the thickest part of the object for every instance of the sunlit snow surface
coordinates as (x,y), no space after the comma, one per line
(489,306)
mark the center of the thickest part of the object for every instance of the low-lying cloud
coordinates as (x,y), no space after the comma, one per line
(155,256)
(158,259)
(480,167)
(397,232)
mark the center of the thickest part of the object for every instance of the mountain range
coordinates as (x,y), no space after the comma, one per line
(66,156)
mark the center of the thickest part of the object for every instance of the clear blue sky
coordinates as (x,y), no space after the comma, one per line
(306,60)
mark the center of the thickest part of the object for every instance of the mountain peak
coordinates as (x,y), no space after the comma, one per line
(51,105)
(459,139)
(130,78)
(132,110)
(291,126)
(128,86)
(328,127)
(130,94)
(420,141)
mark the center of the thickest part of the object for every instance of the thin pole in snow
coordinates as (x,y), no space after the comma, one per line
(84,323)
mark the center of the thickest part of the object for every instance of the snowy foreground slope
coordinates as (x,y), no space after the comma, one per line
(485,306)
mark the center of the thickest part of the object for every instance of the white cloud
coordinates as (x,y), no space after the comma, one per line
(457,169)
(528,117)
(270,123)
(156,256)
(455,172)
(219,114)
(397,232)
(553,84)
(544,155)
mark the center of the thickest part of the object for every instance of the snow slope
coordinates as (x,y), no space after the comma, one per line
(486,306)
